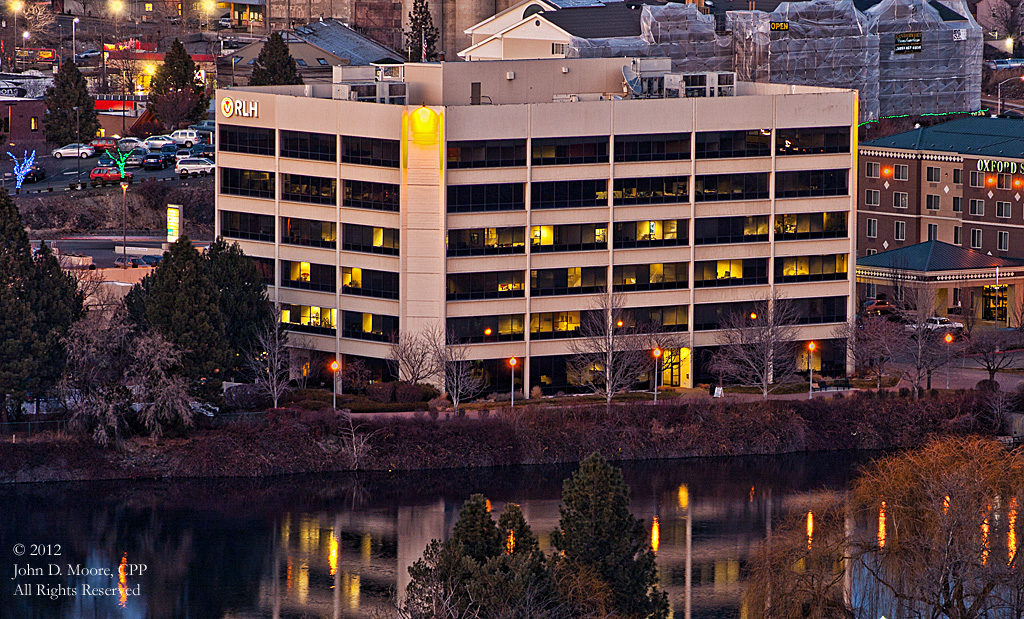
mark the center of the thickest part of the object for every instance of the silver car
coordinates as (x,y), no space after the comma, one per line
(194,166)
(156,142)
(136,157)
(74,150)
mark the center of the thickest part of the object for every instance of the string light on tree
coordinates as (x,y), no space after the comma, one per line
(120,159)
(21,169)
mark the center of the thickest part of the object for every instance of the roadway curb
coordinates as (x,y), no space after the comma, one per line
(86,186)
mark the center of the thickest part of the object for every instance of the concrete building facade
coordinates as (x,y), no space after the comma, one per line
(504,199)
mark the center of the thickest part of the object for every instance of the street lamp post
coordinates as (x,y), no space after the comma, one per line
(78,140)
(74,48)
(949,340)
(512,364)
(124,223)
(999,93)
(334,382)
(15,7)
(657,358)
(810,370)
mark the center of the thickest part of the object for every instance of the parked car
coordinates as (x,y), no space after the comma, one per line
(878,307)
(89,53)
(224,22)
(204,125)
(154,161)
(74,150)
(185,137)
(169,153)
(136,157)
(104,144)
(152,261)
(35,174)
(130,262)
(103,175)
(942,323)
(156,142)
(209,152)
(182,153)
(194,166)
(105,160)
(128,144)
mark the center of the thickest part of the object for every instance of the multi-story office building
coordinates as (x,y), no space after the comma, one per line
(502,199)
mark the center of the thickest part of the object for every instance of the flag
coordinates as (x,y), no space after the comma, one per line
(423,52)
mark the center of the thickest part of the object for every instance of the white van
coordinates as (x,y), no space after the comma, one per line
(186,137)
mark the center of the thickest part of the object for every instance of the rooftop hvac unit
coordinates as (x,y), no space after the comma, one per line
(389,92)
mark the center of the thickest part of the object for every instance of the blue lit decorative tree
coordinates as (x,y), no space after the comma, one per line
(21,169)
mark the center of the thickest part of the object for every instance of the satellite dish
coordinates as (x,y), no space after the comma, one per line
(632,80)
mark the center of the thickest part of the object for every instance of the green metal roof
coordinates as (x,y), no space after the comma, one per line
(935,256)
(974,135)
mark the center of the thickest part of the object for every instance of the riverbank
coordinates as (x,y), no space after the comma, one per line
(306,442)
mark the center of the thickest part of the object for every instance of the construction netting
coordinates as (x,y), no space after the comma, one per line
(930,57)
(816,43)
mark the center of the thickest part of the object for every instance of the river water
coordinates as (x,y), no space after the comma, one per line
(328,546)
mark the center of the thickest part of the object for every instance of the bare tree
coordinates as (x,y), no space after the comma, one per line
(174,106)
(129,68)
(609,355)
(38,17)
(874,342)
(410,354)
(989,348)
(451,358)
(269,361)
(162,398)
(758,347)
(924,346)
(1006,17)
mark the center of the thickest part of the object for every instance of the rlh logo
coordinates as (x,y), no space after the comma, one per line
(234,107)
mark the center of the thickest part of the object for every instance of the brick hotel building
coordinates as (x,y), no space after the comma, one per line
(501,198)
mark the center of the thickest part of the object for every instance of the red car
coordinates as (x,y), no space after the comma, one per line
(104,144)
(108,174)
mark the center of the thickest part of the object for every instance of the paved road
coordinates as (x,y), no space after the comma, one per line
(100,246)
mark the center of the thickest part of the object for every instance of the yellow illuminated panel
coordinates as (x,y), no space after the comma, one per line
(425,124)
(173,223)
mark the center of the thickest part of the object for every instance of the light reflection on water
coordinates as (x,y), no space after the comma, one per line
(340,546)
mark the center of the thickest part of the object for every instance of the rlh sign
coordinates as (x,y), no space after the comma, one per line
(236,107)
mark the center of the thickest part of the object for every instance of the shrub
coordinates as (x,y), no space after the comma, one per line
(500,397)
(429,391)
(408,392)
(381,392)
(364,405)
(246,397)
(904,392)
(987,385)
(437,403)
(536,393)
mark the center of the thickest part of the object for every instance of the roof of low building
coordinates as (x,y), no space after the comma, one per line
(935,256)
(974,135)
(616,19)
(335,37)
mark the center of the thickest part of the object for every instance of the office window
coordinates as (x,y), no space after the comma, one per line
(793,227)
(655,319)
(629,277)
(958,176)
(746,272)
(309,319)
(480,198)
(569,194)
(305,145)
(931,202)
(977,179)
(901,172)
(486,285)
(713,230)
(369,283)
(820,310)
(658,190)
(33,123)
(311,189)
(307,276)
(477,329)
(249,183)
(487,154)
(366,326)
(654,233)
(247,226)
(1003,241)
(486,241)
(975,238)
(900,199)
(977,207)
(707,316)
(901,231)
(872,197)
(872,169)
(571,237)
(792,269)
(872,228)
(933,232)
(375,196)
(1003,209)
(720,187)
(308,232)
(265,266)
(371,151)
(933,174)
(721,144)
(248,140)
(812,140)
(556,325)
(369,239)
(956,235)
(806,183)
(958,204)
(652,147)
(570,151)
(573,280)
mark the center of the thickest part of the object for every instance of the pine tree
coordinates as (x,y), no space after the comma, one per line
(274,66)
(173,83)
(475,531)
(69,91)
(243,297)
(597,532)
(57,303)
(421,31)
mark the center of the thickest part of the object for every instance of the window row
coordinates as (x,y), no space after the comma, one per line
(791,269)
(311,146)
(735,272)
(573,323)
(819,310)
(310,189)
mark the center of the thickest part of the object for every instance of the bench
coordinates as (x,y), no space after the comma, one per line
(827,385)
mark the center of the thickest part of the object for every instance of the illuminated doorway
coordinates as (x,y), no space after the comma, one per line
(675,369)
(993,303)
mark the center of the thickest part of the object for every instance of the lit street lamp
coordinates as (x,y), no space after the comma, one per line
(948,339)
(657,359)
(74,50)
(334,382)
(810,370)
(512,364)
(16,6)
(124,229)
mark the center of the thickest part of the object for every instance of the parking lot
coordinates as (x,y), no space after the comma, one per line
(60,173)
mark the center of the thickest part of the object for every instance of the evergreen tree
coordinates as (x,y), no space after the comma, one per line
(69,91)
(174,82)
(475,531)
(57,303)
(597,532)
(274,66)
(243,297)
(421,32)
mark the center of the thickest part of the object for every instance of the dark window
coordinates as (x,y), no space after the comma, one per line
(556,325)
(369,283)
(369,239)
(487,285)
(646,147)
(477,198)
(309,319)
(654,319)
(791,269)
(810,226)
(812,140)
(487,154)
(250,183)
(566,151)
(712,230)
(574,280)
(300,62)
(627,277)
(322,61)
(365,326)
(266,268)
(474,329)
(820,310)
(247,226)
(718,144)
(486,241)
(371,151)
(658,190)
(572,237)
(307,276)
(376,196)
(654,233)
(804,183)
(745,272)
(710,315)
(312,189)
(303,145)
(569,194)
(308,232)
(719,187)
(249,140)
